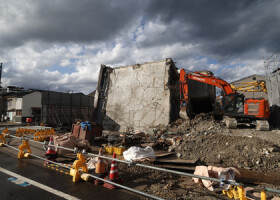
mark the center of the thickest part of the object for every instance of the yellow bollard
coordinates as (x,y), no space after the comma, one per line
(2,139)
(228,193)
(235,193)
(22,147)
(231,193)
(241,193)
(18,133)
(36,135)
(80,163)
(263,195)
(6,131)
(41,136)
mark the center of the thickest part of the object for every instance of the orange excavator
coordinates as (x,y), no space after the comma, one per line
(234,106)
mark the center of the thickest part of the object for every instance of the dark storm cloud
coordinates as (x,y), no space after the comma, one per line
(67,21)
(222,28)
(219,27)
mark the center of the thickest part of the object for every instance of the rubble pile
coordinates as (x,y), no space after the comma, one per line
(200,125)
(163,184)
(124,139)
(210,142)
(235,151)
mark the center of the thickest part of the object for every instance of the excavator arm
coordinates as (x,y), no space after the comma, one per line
(253,86)
(207,78)
(204,78)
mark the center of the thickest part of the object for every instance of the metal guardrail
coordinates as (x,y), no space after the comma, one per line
(101,179)
(140,165)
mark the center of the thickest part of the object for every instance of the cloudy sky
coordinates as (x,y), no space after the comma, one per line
(59,44)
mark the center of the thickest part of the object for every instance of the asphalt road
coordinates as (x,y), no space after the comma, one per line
(21,179)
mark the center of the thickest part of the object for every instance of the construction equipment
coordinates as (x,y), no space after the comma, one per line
(253,86)
(234,106)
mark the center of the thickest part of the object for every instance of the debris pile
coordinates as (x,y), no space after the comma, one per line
(236,151)
(163,184)
(200,125)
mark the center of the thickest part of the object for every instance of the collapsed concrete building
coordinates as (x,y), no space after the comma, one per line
(137,97)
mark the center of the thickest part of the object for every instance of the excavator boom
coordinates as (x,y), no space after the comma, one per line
(253,86)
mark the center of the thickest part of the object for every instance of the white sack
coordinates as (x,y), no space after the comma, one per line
(137,153)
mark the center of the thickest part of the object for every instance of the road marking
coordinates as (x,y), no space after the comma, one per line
(39,185)
(19,182)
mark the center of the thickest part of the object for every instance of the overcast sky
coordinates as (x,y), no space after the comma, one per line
(59,44)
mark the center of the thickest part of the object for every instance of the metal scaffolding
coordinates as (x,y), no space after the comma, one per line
(272,63)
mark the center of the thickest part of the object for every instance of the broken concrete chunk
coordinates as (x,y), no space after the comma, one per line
(178,155)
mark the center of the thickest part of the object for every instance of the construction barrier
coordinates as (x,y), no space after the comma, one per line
(79,170)
(38,135)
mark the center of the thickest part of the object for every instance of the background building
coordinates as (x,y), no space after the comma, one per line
(52,108)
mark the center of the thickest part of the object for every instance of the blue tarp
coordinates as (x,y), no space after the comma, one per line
(84,124)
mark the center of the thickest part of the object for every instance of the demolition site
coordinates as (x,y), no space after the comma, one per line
(148,131)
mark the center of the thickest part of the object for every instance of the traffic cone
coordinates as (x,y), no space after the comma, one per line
(100,170)
(51,153)
(114,175)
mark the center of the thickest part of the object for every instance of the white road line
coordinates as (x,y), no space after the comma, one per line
(39,185)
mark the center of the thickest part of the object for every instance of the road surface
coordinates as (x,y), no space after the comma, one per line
(22,179)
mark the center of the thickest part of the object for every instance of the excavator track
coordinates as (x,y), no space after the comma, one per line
(262,125)
(231,123)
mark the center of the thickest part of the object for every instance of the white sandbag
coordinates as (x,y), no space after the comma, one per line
(67,140)
(137,153)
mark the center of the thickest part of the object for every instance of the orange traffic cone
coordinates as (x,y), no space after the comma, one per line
(114,175)
(51,153)
(100,170)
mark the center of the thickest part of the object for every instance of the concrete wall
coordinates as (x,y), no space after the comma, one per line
(31,100)
(11,103)
(19,104)
(251,94)
(140,96)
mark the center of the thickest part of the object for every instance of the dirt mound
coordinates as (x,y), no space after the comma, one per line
(231,151)
(210,141)
(200,125)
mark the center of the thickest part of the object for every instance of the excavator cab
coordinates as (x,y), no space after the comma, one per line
(233,104)
(252,111)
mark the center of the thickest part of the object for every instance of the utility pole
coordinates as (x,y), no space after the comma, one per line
(0,73)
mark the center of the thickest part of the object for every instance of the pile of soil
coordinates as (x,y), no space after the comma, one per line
(200,125)
(231,151)
(210,142)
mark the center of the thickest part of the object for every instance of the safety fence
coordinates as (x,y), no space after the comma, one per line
(239,193)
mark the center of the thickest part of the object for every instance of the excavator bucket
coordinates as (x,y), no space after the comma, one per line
(183,113)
